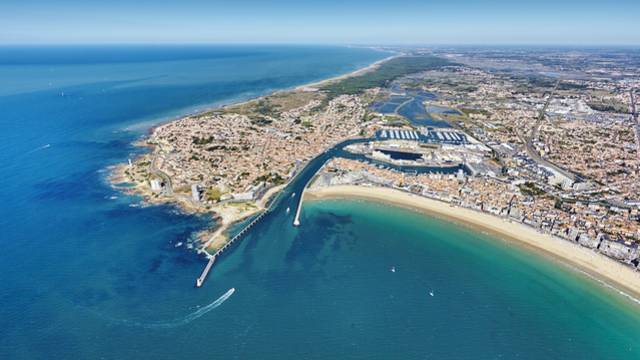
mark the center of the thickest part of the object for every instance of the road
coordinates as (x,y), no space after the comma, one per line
(531,151)
(634,113)
(634,121)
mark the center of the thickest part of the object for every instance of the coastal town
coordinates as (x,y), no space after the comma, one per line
(318,180)
(549,140)
(231,161)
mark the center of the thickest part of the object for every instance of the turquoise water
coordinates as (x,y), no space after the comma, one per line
(87,273)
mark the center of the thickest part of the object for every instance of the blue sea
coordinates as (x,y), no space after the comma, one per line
(89,273)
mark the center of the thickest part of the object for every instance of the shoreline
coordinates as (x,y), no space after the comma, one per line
(356,72)
(214,106)
(594,265)
(239,101)
(209,238)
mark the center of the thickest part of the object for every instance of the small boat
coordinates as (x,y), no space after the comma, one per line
(393,269)
(431,293)
(288,210)
(294,194)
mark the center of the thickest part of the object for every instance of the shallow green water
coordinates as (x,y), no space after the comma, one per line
(327,290)
(491,299)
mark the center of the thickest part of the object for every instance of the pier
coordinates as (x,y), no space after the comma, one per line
(296,220)
(238,236)
(307,173)
(205,272)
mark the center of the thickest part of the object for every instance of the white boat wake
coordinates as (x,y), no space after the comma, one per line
(38,149)
(183,320)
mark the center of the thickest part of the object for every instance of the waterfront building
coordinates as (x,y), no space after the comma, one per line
(620,250)
(195,192)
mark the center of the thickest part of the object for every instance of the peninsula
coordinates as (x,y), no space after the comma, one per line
(552,158)
(231,160)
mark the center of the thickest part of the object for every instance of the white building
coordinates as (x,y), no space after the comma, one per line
(156,185)
(195,192)
(245,196)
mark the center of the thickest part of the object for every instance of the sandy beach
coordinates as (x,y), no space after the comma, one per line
(610,271)
(229,214)
(357,72)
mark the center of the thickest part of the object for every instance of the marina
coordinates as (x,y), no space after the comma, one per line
(426,135)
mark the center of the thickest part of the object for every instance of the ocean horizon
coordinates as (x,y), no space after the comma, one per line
(91,272)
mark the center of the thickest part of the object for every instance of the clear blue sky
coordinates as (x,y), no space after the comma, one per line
(326,21)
